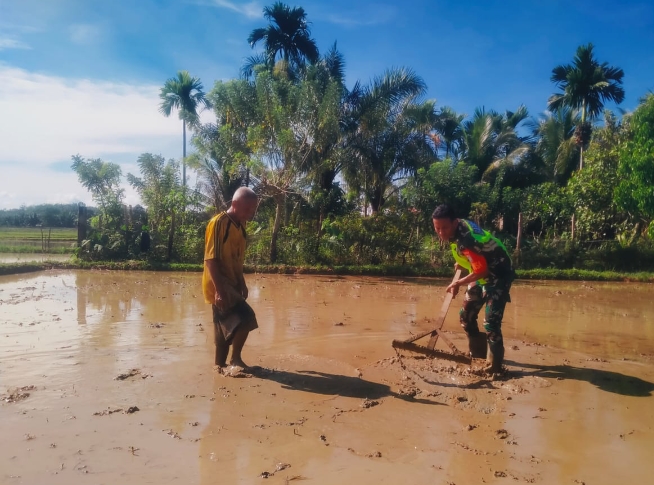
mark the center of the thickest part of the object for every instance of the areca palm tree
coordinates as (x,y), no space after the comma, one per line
(586,86)
(287,36)
(185,94)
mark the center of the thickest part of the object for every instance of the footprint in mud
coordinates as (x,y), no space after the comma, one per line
(238,372)
(17,394)
(131,373)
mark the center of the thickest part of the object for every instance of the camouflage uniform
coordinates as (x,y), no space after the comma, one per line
(493,292)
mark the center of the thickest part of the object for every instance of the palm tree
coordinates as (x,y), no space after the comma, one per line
(220,172)
(287,36)
(490,140)
(388,134)
(185,94)
(586,86)
(323,88)
(449,131)
(556,146)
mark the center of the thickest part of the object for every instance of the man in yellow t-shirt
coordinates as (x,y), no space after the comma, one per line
(223,283)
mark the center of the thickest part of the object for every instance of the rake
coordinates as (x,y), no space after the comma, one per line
(456,355)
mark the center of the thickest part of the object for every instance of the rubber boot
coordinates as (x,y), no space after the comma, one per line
(477,345)
(496,357)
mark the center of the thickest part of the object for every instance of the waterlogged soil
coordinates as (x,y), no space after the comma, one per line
(106,377)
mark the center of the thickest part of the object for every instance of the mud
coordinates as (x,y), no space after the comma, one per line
(330,401)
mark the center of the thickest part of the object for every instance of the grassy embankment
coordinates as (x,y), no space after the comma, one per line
(58,240)
(379,270)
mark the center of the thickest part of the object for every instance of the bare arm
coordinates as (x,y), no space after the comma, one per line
(479,271)
(472,277)
(243,287)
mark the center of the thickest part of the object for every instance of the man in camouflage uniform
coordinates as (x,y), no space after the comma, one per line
(489,278)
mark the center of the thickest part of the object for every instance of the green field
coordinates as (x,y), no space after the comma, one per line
(37,240)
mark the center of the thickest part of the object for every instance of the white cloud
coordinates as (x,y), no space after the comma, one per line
(47,119)
(11,43)
(375,15)
(84,33)
(29,188)
(251,10)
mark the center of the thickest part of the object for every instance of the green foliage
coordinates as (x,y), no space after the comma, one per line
(102,180)
(491,140)
(635,191)
(443,182)
(383,238)
(387,134)
(586,84)
(287,36)
(321,156)
(185,94)
(547,211)
(591,189)
(556,146)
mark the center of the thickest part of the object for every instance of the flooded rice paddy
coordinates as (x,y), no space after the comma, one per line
(106,377)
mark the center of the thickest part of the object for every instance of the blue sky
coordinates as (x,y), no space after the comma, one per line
(82,76)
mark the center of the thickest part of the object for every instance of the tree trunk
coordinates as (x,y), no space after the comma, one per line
(280,202)
(581,147)
(171,237)
(321,218)
(377,200)
(184,154)
(581,157)
(81,224)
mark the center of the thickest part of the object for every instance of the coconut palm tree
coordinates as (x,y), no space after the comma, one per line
(449,131)
(185,94)
(586,86)
(490,140)
(556,146)
(287,36)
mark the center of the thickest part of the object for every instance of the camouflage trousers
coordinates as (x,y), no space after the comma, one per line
(495,296)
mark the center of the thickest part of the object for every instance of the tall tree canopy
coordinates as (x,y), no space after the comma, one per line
(635,192)
(286,37)
(586,86)
(184,93)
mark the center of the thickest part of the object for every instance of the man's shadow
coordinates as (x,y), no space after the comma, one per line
(605,380)
(333,384)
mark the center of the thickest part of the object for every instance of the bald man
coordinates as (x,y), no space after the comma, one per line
(223,283)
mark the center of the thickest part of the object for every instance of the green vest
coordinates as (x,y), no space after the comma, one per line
(482,238)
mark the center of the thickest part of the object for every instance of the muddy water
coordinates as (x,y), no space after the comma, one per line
(331,398)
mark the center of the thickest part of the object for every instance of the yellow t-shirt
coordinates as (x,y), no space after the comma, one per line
(224,241)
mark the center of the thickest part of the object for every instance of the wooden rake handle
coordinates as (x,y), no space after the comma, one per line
(440,321)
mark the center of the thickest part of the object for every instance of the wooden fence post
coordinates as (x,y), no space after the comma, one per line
(518,242)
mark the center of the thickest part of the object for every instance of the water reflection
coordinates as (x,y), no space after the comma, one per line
(133,309)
